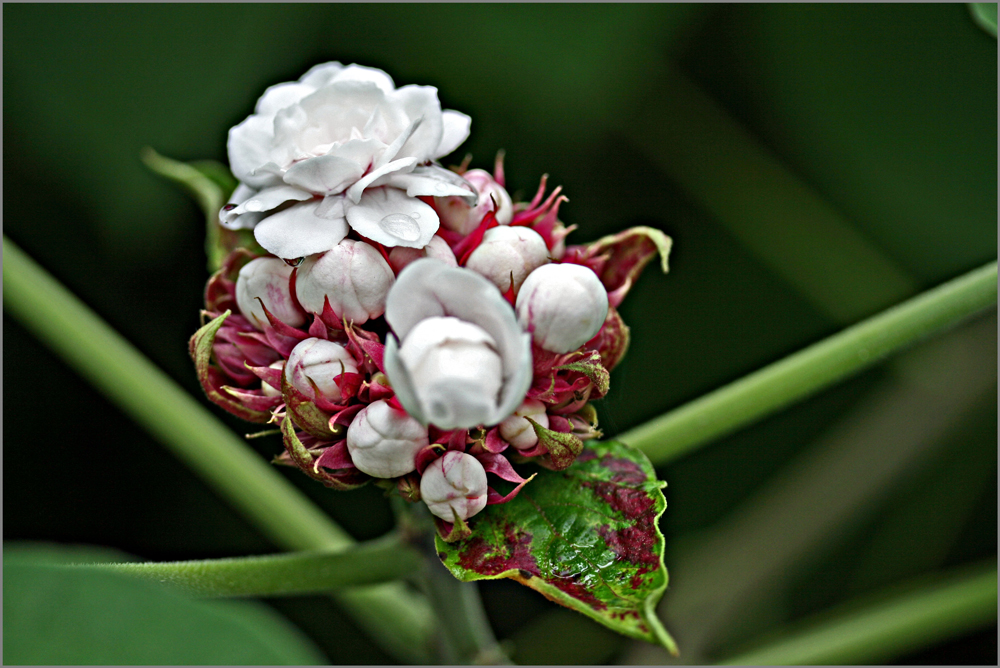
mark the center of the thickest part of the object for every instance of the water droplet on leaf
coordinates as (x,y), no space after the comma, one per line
(400,226)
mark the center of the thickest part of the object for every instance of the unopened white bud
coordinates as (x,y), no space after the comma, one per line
(455,369)
(516,429)
(270,390)
(562,305)
(458,216)
(454,483)
(352,275)
(384,441)
(267,278)
(507,251)
(438,249)
(319,361)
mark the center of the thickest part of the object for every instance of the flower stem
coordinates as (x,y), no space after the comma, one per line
(803,373)
(281,574)
(391,613)
(881,631)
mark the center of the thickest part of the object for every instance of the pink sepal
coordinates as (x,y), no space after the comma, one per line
(494,443)
(336,456)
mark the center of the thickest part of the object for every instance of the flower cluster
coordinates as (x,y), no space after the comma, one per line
(408,323)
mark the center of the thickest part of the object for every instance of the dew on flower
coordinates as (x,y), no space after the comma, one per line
(401,226)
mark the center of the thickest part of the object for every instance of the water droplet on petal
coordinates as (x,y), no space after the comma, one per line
(293,262)
(400,226)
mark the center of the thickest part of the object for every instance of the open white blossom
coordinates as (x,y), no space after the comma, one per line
(352,275)
(454,483)
(342,146)
(458,358)
(506,252)
(266,278)
(318,362)
(384,441)
(562,305)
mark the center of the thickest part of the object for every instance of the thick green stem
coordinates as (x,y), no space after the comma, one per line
(803,373)
(390,612)
(881,631)
(282,574)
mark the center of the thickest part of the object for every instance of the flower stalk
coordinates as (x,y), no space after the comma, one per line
(801,374)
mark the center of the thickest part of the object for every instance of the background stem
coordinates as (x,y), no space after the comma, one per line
(399,620)
(955,604)
(803,373)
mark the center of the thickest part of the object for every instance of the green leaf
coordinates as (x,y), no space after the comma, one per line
(211,184)
(60,614)
(586,538)
(985,16)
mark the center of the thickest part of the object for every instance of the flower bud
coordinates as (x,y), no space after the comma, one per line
(455,483)
(438,249)
(516,429)
(466,362)
(384,441)
(267,278)
(319,361)
(268,389)
(455,370)
(508,250)
(352,275)
(458,216)
(562,305)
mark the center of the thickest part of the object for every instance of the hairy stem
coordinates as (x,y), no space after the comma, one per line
(803,373)
(393,615)
(282,574)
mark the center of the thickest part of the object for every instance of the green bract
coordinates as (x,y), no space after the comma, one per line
(585,537)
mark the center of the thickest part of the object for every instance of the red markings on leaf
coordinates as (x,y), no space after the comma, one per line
(488,559)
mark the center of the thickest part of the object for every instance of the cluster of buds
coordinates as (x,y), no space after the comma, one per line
(407,324)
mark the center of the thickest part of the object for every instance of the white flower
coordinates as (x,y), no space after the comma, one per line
(459,216)
(267,278)
(461,359)
(454,483)
(508,250)
(384,441)
(516,429)
(352,275)
(348,136)
(438,248)
(562,305)
(318,362)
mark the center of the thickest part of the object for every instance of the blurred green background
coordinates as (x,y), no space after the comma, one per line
(813,164)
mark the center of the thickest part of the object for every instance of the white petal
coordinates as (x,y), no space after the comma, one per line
(249,147)
(456,131)
(297,231)
(428,185)
(320,75)
(403,164)
(391,218)
(280,96)
(260,202)
(325,175)
(402,384)
(362,73)
(417,102)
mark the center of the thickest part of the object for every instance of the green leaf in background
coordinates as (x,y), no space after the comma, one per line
(57,614)
(211,184)
(586,537)
(985,16)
